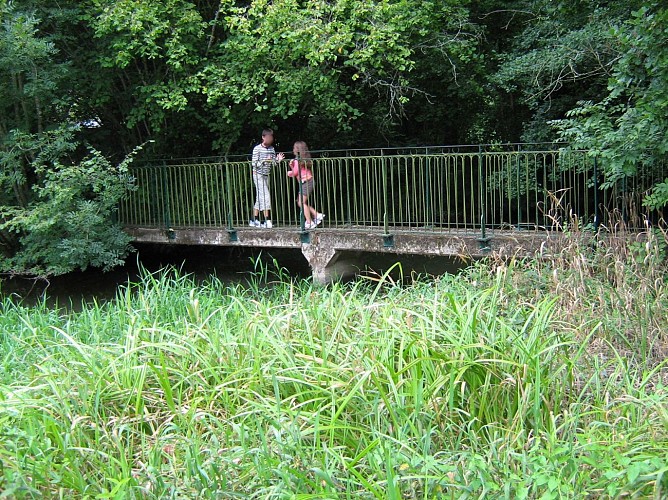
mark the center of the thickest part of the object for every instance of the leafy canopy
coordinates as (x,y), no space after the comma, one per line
(628,127)
(57,197)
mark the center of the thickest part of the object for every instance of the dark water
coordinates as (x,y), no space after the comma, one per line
(227,264)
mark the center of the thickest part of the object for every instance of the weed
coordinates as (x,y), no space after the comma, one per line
(489,383)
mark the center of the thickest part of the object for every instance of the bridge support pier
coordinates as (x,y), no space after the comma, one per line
(327,264)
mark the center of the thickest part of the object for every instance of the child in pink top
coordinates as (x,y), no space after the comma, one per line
(305,175)
(300,169)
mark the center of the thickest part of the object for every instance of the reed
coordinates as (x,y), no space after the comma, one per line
(481,384)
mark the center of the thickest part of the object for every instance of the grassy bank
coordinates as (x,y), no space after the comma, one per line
(520,380)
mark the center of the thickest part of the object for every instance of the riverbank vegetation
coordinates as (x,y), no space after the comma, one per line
(539,378)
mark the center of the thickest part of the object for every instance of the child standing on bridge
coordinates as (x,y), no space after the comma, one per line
(263,158)
(300,169)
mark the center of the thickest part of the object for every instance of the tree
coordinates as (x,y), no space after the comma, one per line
(563,53)
(627,127)
(317,66)
(58,196)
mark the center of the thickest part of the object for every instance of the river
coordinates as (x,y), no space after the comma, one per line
(72,290)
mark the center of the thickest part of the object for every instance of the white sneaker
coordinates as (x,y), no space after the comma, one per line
(309,225)
(319,218)
(267,224)
(254,223)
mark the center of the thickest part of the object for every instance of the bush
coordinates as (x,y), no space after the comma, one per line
(68,222)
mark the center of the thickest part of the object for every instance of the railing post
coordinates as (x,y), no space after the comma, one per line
(625,215)
(517,188)
(165,194)
(348,187)
(388,239)
(597,221)
(232,233)
(302,215)
(154,183)
(427,209)
(482,191)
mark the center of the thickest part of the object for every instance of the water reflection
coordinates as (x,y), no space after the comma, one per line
(74,289)
(227,264)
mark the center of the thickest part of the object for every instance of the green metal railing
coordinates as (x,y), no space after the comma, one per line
(475,191)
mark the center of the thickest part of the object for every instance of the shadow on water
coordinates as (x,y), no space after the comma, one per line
(409,268)
(230,265)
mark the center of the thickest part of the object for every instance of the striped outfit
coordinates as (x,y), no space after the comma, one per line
(262,160)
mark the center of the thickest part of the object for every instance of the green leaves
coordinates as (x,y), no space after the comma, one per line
(628,126)
(68,223)
(658,197)
(260,61)
(134,30)
(30,74)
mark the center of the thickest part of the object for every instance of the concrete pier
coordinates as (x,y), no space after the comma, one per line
(339,253)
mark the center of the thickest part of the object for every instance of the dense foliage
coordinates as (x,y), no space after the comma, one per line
(338,73)
(58,193)
(628,126)
(68,224)
(190,78)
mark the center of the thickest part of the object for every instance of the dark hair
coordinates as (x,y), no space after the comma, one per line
(267,131)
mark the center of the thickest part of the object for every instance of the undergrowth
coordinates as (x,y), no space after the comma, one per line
(520,379)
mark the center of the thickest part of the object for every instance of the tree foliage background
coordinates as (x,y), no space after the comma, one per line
(84,83)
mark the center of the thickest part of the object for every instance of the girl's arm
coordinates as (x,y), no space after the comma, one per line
(294,169)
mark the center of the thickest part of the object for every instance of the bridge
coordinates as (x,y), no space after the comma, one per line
(441,201)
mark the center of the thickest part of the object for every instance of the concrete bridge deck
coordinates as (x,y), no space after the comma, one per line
(339,252)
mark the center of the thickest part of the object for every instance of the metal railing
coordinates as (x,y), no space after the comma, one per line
(433,190)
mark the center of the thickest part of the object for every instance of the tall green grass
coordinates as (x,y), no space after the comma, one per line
(460,387)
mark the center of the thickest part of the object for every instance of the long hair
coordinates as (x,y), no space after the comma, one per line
(303,154)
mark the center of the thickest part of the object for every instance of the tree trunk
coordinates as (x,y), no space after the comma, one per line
(24,104)
(212,36)
(38,112)
(17,108)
